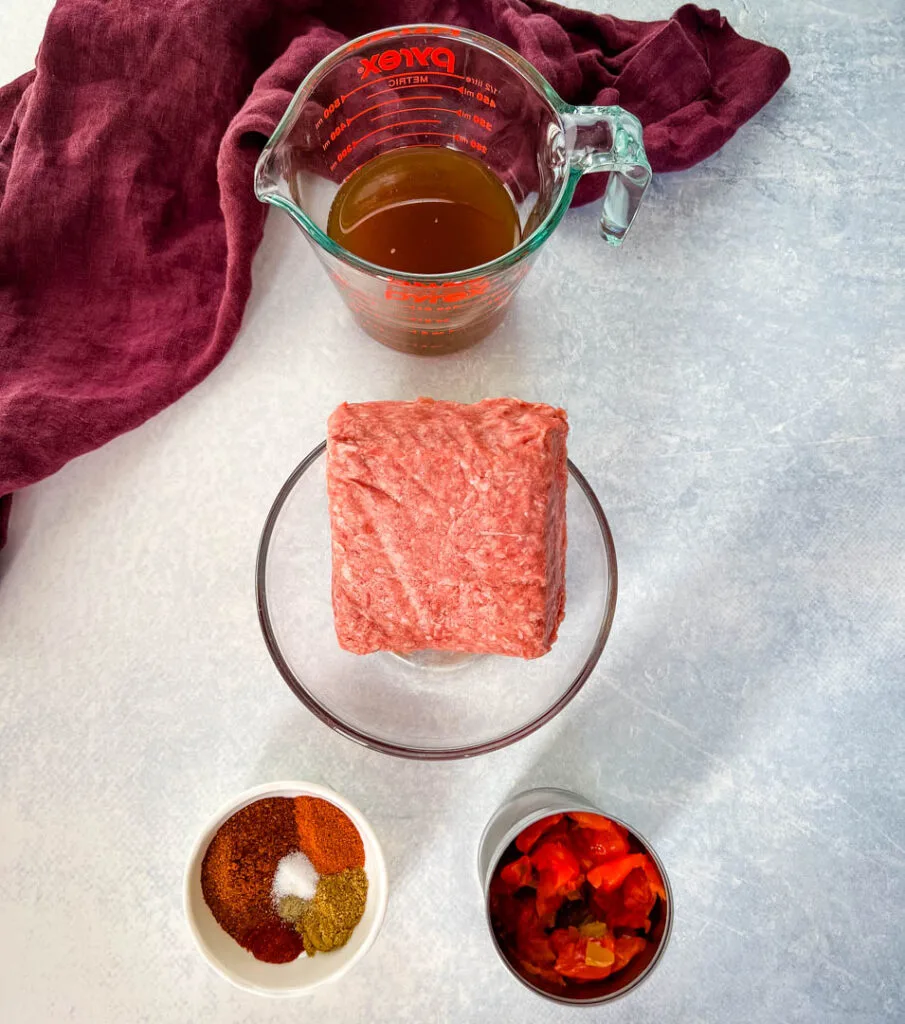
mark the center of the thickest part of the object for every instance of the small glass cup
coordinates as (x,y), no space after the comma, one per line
(436,85)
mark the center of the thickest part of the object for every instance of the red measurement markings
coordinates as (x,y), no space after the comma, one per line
(329,111)
(418,135)
(406,135)
(399,88)
(406,110)
(400,124)
(412,135)
(386,103)
(344,123)
(464,114)
(417,292)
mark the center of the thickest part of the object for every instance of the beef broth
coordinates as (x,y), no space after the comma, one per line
(424,210)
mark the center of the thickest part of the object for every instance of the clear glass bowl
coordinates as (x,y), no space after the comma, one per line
(432,705)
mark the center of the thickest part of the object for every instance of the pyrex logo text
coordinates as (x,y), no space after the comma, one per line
(411,56)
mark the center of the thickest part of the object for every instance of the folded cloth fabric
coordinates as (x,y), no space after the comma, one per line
(127,217)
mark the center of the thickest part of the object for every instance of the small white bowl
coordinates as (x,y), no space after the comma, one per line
(300,976)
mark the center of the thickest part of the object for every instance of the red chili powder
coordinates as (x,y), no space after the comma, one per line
(237,874)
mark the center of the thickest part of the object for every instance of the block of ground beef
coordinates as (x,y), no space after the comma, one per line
(448,525)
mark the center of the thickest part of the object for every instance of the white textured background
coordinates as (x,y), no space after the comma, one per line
(735,384)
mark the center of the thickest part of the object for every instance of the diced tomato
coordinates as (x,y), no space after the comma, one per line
(625,948)
(557,857)
(499,888)
(562,939)
(548,903)
(538,951)
(584,959)
(559,853)
(532,833)
(653,876)
(630,920)
(604,904)
(595,845)
(518,873)
(584,819)
(609,907)
(611,874)
(531,941)
(547,973)
(506,907)
(561,831)
(578,970)
(629,905)
(558,874)
(637,893)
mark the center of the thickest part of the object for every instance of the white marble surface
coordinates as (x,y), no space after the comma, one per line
(734,379)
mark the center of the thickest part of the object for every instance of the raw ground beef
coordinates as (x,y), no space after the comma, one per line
(448,525)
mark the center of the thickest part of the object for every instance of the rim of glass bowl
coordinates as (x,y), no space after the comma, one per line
(397,749)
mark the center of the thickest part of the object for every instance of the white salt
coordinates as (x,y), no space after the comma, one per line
(295,876)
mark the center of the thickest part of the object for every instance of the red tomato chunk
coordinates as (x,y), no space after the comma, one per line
(532,833)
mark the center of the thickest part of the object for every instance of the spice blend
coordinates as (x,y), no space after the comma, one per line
(283,876)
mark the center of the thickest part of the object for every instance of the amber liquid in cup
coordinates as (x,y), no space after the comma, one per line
(360,119)
(424,210)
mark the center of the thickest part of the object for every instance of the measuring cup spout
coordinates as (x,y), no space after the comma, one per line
(267,183)
(610,139)
(273,173)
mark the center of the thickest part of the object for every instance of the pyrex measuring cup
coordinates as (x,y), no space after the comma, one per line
(435,85)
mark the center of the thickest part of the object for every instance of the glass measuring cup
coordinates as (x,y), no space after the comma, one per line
(436,85)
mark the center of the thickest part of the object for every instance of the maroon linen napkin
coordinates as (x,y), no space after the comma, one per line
(127,217)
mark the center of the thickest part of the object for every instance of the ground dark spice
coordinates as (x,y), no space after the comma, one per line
(237,874)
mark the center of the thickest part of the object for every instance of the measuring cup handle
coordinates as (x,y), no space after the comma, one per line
(610,139)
